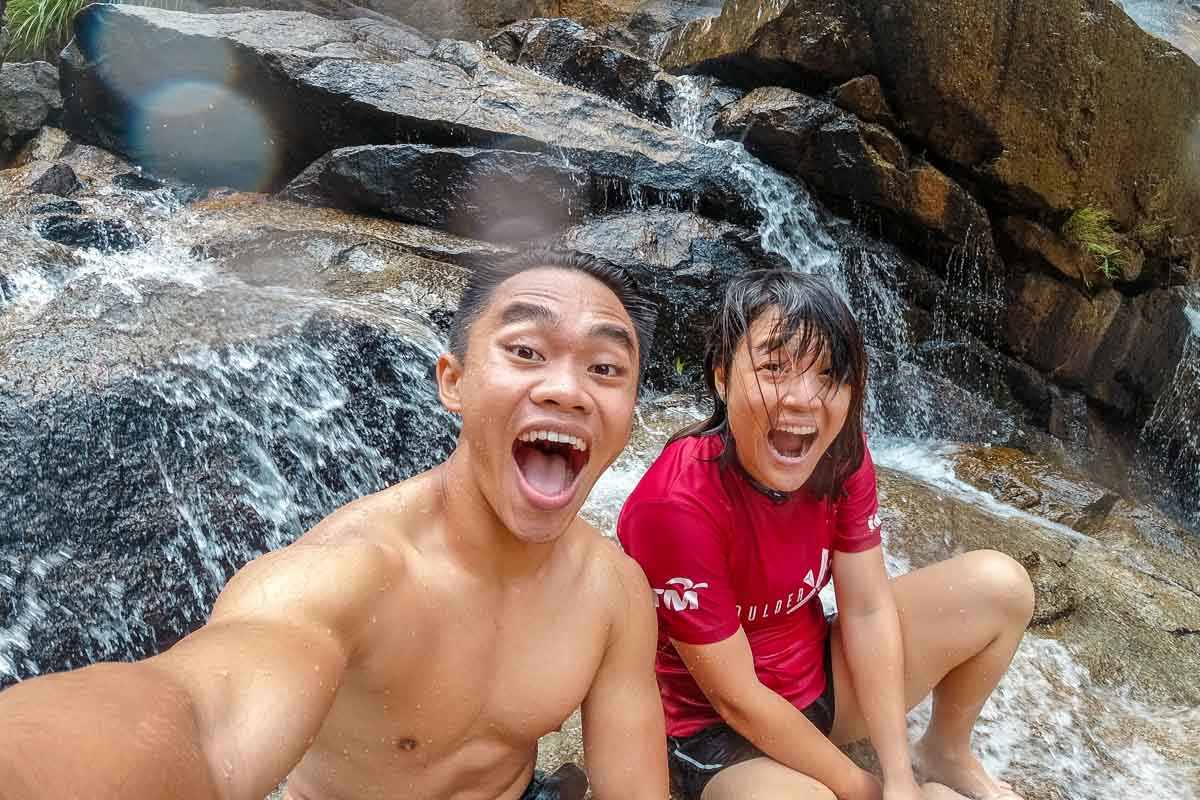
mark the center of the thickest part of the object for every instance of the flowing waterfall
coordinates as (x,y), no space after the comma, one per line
(1170,439)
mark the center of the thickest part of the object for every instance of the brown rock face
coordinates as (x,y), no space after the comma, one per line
(863,97)
(1056,104)
(1119,351)
(846,158)
(810,44)
(1056,101)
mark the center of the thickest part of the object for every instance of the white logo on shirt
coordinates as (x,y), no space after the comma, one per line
(874,522)
(676,600)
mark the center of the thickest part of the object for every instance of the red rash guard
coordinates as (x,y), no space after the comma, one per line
(720,555)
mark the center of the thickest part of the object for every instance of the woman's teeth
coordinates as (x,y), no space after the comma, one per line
(555,437)
(798,430)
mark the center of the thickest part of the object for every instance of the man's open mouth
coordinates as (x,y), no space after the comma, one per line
(792,441)
(550,463)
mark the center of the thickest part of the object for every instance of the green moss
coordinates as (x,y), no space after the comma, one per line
(1092,229)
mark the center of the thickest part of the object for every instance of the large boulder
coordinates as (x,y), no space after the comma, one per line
(809,45)
(1054,105)
(317,90)
(568,52)
(29,99)
(854,162)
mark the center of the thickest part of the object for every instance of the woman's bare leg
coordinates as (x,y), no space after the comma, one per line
(961,621)
(764,779)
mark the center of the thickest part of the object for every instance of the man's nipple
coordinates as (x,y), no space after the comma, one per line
(405,743)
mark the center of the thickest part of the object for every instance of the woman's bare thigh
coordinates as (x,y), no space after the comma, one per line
(764,779)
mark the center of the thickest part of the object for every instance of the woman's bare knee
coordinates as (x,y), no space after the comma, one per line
(1002,583)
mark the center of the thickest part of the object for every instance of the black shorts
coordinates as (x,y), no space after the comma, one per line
(568,782)
(695,760)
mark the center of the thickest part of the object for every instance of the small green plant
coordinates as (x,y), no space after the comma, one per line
(1092,229)
(37,29)
(679,365)
(40,29)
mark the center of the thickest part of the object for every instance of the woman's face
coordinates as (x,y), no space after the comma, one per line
(785,408)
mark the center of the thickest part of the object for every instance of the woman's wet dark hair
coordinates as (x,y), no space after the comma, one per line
(812,316)
(485,279)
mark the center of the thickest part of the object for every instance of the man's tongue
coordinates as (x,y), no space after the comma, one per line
(792,445)
(548,473)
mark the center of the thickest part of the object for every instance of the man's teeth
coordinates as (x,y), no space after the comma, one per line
(554,436)
(799,430)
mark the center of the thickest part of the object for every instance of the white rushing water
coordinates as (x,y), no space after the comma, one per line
(1170,439)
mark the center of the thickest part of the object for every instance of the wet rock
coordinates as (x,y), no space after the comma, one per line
(653,18)
(29,99)
(1117,614)
(682,262)
(494,195)
(137,182)
(567,52)
(267,242)
(337,95)
(850,160)
(1120,351)
(105,235)
(60,179)
(131,487)
(1068,259)
(377,19)
(57,207)
(1053,127)
(810,45)
(863,97)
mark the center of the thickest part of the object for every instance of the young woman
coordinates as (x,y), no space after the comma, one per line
(740,523)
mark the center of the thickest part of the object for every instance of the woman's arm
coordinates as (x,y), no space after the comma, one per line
(725,673)
(871,640)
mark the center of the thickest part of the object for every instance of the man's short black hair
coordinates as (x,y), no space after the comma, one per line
(483,283)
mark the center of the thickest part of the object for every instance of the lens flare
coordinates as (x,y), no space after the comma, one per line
(205,133)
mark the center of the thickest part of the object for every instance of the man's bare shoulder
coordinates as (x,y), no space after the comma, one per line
(334,570)
(615,574)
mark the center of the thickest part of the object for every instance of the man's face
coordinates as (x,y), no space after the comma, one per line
(546,396)
(784,411)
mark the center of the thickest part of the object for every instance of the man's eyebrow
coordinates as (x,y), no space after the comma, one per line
(528,312)
(617,333)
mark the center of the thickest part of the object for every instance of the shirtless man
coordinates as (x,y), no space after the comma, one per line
(417,642)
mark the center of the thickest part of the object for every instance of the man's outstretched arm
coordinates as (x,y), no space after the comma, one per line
(225,713)
(624,739)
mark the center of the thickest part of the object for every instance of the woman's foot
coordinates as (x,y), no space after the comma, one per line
(960,771)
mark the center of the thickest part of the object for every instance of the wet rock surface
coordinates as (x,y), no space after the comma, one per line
(810,45)
(1048,128)
(847,159)
(60,179)
(495,195)
(340,94)
(567,52)
(29,99)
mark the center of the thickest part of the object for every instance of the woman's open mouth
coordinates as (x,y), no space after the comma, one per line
(792,442)
(549,463)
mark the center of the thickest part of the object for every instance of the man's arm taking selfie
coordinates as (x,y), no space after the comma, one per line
(225,713)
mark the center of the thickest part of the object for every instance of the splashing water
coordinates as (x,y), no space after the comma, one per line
(1170,439)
